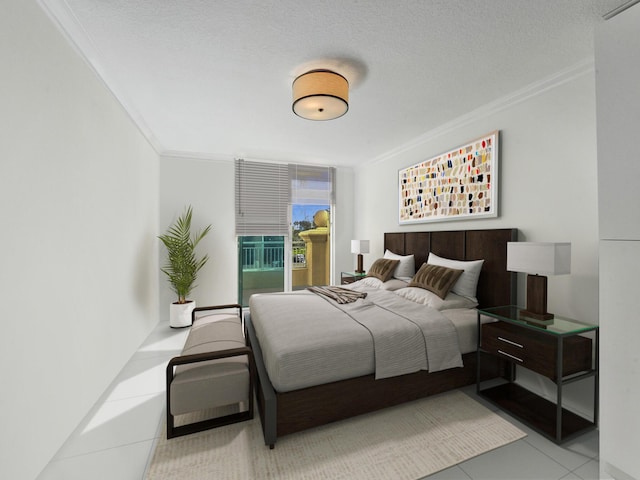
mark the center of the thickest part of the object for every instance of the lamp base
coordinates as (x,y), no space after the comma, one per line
(536,298)
(359,269)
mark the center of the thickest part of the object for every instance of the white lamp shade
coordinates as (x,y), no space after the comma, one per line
(539,258)
(359,246)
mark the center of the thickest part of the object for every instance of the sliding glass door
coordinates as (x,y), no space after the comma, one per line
(261,267)
(283,226)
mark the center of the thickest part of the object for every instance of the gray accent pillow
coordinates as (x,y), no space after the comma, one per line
(383,269)
(436,279)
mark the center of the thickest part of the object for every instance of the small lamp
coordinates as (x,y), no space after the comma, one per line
(537,260)
(360,247)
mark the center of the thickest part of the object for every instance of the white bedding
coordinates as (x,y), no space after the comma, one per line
(303,345)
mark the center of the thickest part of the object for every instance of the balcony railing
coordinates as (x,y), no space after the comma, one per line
(265,255)
(299,249)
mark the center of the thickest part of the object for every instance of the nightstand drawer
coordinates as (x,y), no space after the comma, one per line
(536,351)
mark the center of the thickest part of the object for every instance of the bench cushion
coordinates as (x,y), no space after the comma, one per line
(216,382)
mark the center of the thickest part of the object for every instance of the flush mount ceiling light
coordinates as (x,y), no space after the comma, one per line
(320,95)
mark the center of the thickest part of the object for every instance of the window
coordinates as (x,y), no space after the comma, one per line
(276,205)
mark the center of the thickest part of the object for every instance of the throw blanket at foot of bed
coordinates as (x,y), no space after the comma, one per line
(338,294)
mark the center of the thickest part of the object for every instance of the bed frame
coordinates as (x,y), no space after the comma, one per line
(289,412)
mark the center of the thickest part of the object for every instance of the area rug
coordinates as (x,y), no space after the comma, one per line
(409,442)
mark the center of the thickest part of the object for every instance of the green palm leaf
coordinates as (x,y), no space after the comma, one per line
(182,266)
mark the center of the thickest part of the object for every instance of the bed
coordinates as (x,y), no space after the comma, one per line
(352,379)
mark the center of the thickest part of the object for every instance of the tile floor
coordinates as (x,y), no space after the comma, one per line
(117,437)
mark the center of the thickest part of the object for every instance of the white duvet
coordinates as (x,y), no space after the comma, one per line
(307,339)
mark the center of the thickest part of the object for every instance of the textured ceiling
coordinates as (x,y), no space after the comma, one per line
(213,78)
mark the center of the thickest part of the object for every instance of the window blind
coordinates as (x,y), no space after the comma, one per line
(312,185)
(264,192)
(262,198)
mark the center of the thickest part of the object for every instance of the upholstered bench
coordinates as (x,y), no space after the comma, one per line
(216,369)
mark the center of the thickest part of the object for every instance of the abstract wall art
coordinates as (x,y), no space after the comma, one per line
(459,184)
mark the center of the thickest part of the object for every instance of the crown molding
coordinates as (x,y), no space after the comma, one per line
(187,154)
(620,9)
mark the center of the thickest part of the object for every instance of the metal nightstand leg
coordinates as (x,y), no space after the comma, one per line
(559,363)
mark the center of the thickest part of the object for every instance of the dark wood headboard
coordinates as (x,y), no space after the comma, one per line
(496,285)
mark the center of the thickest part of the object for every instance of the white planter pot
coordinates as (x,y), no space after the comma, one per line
(180,314)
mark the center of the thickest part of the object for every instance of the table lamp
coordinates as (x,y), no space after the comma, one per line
(360,247)
(537,260)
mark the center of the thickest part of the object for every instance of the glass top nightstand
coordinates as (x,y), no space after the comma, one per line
(560,349)
(556,326)
(350,277)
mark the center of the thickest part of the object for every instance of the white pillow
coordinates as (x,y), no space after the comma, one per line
(393,284)
(425,297)
(371,282)
(406,269)
(467,284)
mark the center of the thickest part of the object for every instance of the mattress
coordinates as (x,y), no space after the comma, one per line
(308,340)
(465,321)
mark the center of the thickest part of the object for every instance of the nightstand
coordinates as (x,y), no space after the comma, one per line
(554,348)
(350,277)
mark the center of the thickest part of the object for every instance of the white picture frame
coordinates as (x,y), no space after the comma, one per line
(459,184)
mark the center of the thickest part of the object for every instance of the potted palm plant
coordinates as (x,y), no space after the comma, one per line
(182,266)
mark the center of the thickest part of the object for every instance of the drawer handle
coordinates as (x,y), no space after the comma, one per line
(510,356)
(510,342)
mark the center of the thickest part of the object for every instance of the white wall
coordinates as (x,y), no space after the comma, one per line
(618,62)
(547,190)
(620,366)
(618,106)
(79,210)
(209,186)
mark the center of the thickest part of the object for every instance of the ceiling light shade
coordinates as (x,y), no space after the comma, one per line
(320,95)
